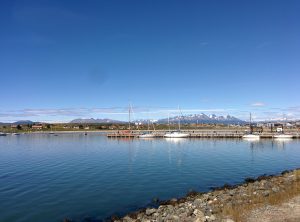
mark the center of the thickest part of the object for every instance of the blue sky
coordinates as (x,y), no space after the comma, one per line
(61,59)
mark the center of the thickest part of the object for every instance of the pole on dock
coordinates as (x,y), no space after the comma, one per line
(129,110)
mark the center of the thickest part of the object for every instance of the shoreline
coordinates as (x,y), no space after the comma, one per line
(227,203)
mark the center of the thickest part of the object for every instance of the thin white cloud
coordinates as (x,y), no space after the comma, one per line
(258,104)
(121,113)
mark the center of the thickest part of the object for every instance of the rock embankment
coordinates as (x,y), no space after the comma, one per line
(224,204)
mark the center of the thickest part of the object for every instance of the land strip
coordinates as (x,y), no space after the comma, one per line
(266,198)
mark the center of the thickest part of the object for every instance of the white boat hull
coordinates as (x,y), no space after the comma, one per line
(146,136)
(176,135)
(283,136)
(251,137)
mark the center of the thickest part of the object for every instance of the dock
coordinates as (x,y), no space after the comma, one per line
(196,134)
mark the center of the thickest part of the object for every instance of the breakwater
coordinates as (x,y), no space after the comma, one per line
(223,204)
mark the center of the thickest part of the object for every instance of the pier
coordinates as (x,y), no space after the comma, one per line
(196,134)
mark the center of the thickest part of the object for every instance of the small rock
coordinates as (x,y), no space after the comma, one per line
(266,193)
(198,202)
(127,219)
(198,213)
(150,211)
(212,218)
(200,219)
(231,192)
(175,218)
(227,220)
(275,189)
(173,200)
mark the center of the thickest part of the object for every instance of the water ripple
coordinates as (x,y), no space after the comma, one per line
(46,178)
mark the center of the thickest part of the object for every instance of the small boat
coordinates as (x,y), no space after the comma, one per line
(251,136)
(2,134)
(16,134)
(147,135)
(283,136)
(176,134)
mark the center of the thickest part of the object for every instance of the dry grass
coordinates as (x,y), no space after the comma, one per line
(238,212)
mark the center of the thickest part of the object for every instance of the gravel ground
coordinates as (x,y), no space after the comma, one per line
(288,211)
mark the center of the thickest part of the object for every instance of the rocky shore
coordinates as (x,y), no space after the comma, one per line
(223,204)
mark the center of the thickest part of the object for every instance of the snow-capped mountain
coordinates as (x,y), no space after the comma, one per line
(203,118)
(92,120)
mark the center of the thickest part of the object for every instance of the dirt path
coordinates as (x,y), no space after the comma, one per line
(287,211)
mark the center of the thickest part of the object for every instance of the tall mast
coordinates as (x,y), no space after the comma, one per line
(179,119)
(250,124)
(169,122)
(148,124)
(129,112)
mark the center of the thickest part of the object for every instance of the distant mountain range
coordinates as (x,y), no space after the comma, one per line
(203,118)
(193,118)
(23,122)
(92,120)
(20,122)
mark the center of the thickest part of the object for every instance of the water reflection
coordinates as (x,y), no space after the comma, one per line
(112,175)
(257,144)
(251,139)
(281,142)
(269,144)
(176,140)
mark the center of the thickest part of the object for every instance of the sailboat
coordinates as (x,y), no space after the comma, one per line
(2,134)
(251,136)
(175,134)
(149,134)
(282,135)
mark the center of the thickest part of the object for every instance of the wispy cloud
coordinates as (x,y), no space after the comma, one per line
(108,112)
(121,113)
(258,104)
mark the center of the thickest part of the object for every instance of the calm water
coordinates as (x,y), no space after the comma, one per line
(48,178)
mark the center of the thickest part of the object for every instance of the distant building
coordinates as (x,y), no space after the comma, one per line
(87,128)
(112,127)
(279,129)
(270,124)
(14,126)
(289,124)
(37,127)
(260,124)
(76,127)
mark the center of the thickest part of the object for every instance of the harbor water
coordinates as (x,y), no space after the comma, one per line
(49,177)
